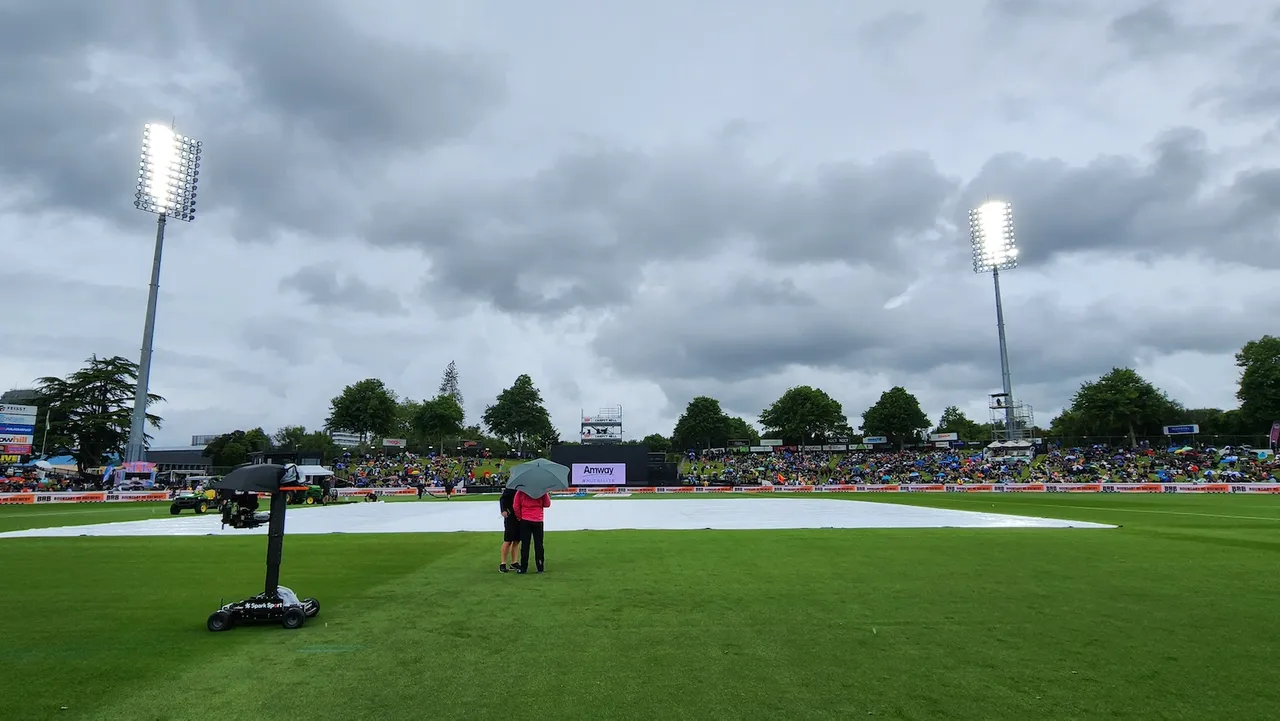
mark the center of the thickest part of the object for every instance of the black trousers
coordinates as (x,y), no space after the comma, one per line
(531,530)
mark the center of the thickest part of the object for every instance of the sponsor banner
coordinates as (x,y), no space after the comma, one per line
(598,474)
(136,496)
(391,491)
(1023,488)
(1256,488)
(636,490)
(17,498)
(836,447)
(13,410)
(872,440)
(771,442)
(944,437)
(878,488)
(923,488)
(77,497)
(761,449)
(1188,429)
(675,489)
(1074,487)
(600,433)
(394,442)
(839,488)
(810,448)
(17,419)
(8,458)
(19,429)
(713,489)
(972,488)
(794,489)
(14,449)
(754,489)
(19,439)
(1198,487)
(1133,488)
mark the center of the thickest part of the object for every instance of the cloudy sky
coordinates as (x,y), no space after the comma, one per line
(640,202)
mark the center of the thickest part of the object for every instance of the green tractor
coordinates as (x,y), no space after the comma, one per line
(198,501)
(311,496)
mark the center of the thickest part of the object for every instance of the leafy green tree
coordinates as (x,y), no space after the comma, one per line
(740,430)
(954,420)
(236,447)
(897,415)
(90,411)
(299,440)
(519,414)
(439,418)
(1259,392)
(702,425)
(657,443)
(366,407)
(803,414)
(449,385)
(1123,403)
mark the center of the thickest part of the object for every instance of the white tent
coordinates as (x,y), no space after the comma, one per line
(313,474)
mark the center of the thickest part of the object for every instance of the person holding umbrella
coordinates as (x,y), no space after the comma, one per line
(510,529)
(533,483)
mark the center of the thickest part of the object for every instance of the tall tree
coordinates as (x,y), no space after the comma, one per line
(702,425)
(740,430)
(954,420)
(803,414)
(519,415)
(236,447)
(366,407)
(897,415)
(657,443)
(449,385)
(1259,392)
(90,411)
(438,419)
(1123,403)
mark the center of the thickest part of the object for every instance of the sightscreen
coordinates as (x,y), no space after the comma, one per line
(589,464)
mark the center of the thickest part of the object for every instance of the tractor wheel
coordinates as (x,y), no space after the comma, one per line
(175,509)
(202,507)
(293,618)
(311,501)
(314,605)
(221,621)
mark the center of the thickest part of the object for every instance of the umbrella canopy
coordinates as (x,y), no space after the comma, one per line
(258,478)
(539,477)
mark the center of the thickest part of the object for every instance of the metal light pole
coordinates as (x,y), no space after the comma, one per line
(994,250)
(167,176)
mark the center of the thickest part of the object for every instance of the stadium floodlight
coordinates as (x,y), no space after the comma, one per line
(167,176)
(994,250)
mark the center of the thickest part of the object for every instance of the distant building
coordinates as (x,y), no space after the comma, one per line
(179,459)
(345,440)
(22,397)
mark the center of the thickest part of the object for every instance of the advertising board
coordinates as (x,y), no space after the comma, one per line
(598,474)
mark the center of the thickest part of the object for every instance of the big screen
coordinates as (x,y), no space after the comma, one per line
(629,464)
(599,474)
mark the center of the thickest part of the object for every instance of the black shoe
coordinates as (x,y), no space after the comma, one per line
(516,567)
(521,570)
(502,568)
(540,568)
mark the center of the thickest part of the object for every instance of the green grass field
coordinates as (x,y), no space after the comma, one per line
(1169,617)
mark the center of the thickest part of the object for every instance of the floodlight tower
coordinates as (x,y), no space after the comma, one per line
(167,176)
(994,250)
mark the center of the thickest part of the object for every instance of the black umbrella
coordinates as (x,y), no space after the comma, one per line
(259,478)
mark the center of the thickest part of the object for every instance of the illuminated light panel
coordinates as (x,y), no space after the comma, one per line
(168,173)
(991,231)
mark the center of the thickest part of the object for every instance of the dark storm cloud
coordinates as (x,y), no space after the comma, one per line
(1164,205)
(322,287)
(1154,31)
(310,105)
(579,232)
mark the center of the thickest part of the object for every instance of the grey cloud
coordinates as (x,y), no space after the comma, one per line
(1127,206)
(309,106)
(323,287)
(1015,10)
(1255,92)
(604,214)
(1155,31)
(890,31)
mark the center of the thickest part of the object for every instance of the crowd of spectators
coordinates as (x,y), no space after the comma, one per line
(408,469)
(1094,464)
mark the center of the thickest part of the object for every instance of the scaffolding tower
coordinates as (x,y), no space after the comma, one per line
(1011,419)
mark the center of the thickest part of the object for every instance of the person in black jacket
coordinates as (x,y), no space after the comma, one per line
(510,530)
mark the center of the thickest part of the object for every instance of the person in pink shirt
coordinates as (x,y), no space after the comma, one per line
(531,515)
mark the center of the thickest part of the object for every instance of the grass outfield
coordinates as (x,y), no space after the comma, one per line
(1170,616)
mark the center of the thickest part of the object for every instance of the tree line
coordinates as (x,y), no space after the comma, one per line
(87,415)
